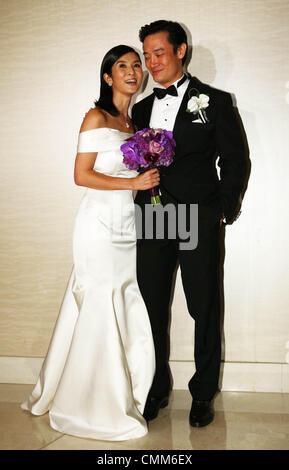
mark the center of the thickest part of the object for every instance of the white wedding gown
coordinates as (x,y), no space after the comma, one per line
(100,363)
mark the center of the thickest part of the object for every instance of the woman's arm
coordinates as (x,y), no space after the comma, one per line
(84,175)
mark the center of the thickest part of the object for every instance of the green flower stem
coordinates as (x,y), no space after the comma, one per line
(155,200)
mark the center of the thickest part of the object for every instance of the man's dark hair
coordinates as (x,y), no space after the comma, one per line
(177,34)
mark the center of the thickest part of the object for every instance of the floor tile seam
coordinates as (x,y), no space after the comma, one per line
(52,442)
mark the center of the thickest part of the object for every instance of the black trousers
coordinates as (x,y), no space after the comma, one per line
(156,264)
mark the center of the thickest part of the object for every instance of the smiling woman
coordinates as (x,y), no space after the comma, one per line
(100,364)
(124,63)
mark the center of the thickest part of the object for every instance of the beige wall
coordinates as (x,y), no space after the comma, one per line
(50,57)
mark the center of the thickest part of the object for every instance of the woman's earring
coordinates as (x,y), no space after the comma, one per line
(109,83)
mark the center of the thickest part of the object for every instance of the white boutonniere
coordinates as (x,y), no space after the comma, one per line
(197,105)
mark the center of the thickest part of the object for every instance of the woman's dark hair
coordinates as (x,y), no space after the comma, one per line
(105,99)
(177,34)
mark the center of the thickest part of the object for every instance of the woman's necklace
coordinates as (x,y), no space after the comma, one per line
(126,123)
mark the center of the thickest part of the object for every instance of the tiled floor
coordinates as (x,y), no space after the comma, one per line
(242,421)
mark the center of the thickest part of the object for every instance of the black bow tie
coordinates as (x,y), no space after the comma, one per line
(160,93)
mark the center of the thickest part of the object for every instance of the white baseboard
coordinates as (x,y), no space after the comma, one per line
(239,376)
(235,376)
(20,370)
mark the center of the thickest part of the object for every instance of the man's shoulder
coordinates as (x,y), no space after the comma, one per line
(209,90)
(139,108)
(145,101)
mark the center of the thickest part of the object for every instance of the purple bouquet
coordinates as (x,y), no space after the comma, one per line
(147,149)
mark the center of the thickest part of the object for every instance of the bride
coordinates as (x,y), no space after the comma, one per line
(100,363)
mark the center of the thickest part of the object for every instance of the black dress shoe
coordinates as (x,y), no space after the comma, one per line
(153,405)
(201,413)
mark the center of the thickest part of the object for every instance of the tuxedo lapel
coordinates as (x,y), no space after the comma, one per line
(147,111)
(182,117)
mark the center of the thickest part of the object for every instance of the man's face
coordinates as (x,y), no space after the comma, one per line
(162,62)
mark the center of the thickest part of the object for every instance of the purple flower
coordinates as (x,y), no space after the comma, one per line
(148,148)
(155,147)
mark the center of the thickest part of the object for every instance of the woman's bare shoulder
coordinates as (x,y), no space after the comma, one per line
(93,119)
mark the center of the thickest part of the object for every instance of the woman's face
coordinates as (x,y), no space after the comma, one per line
(126,74)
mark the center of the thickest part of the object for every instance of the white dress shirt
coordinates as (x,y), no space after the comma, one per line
(164,111)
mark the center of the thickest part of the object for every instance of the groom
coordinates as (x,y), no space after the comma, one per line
(201,137)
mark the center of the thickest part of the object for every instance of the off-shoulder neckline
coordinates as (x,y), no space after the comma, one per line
(108,128)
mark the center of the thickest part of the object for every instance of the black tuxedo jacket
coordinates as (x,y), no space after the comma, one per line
(192,178)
